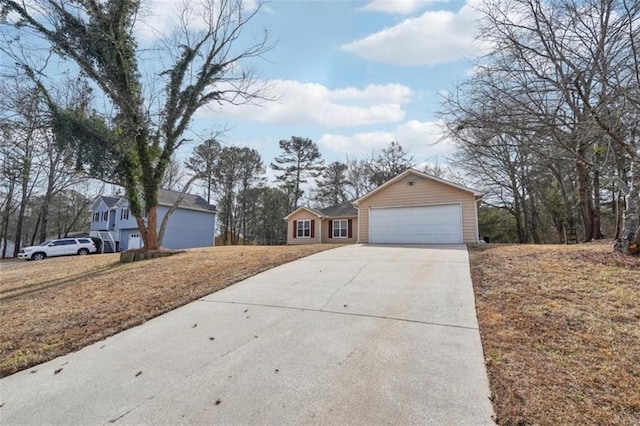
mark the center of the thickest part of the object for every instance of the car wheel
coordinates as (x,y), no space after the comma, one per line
(83,252)
(38,256)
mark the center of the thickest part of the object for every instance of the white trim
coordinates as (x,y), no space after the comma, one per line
(421,205)
(298,223)
(419,174)
(333,228)
(310,210)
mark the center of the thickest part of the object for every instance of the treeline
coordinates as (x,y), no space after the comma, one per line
(41,192)
(548,122)
(45,193)
(250,210)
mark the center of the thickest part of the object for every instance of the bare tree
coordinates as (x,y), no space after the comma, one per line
(388,163)
(133,146)
(556,82)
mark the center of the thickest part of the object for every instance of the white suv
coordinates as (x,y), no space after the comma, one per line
(63,247)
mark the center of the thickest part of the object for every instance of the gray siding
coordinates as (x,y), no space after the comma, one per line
(129,223)
(100,225)
(188,228)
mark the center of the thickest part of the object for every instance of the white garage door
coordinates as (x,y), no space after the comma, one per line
(416,225)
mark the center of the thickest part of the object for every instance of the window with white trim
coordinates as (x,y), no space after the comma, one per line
(124,214)
(304,229)
(96,217)
(105,216)
(340,228)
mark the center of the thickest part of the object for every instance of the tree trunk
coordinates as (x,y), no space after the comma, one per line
(631,230)
(35,229)
(5,217)
(597,228)
(535,234)
(152,230)
(21,211)
(149,230)
(172,209)
(586,208)
(617,210)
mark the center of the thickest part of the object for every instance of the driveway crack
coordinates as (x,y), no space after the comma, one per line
(345,284)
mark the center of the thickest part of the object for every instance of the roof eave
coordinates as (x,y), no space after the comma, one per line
(318,214)
(402,175)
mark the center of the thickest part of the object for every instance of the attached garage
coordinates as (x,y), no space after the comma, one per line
(437,224)
(417,208)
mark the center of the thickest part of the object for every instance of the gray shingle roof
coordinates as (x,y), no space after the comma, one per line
(110,201)
(341,210)
(190,201)
(167,198)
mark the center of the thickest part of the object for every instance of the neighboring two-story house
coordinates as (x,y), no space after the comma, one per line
(191,225)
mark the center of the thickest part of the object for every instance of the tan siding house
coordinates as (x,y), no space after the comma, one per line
(337,224)
(411,208)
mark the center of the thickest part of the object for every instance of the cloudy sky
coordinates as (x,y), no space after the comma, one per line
(354,75)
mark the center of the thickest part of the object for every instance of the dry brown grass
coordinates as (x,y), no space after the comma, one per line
(57,306)
(561,332)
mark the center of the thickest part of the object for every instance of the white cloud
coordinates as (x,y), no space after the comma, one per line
(311,103)
(160,18)
(422,139)
(432,38)
(403,7)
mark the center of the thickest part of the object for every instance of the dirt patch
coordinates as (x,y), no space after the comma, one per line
(561,332)
(56,306)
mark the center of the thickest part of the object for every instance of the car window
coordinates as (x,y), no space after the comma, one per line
(68,242)
(83,241)
(46,243)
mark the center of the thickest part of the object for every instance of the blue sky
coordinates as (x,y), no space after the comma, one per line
(354,75)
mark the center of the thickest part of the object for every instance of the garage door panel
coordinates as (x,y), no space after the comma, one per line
(416,225)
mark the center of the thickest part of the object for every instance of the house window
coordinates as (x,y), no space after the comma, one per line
(96,217)
(124,214)
(304,229)
(340,228)
(105,216)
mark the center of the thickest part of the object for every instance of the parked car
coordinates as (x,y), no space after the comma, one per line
(61,247)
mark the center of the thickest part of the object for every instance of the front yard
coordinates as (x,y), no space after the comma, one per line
(561,332)
(560,324)
(56,306)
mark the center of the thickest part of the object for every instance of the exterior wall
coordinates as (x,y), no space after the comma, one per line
(129,223)
(101,225)
(304,215)
(124,238)
(424,192)
(188,228)
(354,233)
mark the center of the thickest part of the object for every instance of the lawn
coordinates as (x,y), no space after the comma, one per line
(561,332)
(59,305)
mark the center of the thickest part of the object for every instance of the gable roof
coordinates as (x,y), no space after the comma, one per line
(408,172)
(165,198)
(109,202)
(309,209)
(345,209)
(341,210)
(189,201)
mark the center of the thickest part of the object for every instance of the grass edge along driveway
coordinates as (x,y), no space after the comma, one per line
(560,331)
(56,306)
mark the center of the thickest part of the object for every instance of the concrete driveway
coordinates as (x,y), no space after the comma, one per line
(356,335)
